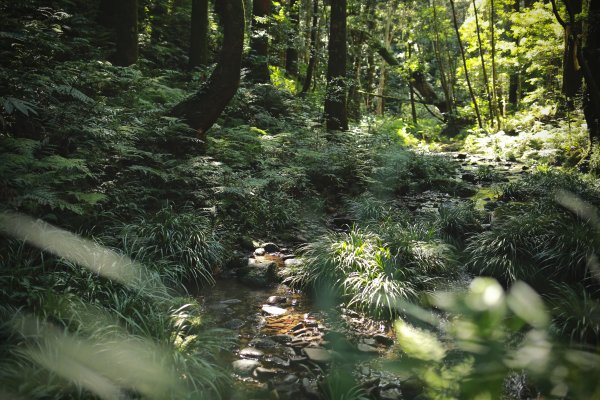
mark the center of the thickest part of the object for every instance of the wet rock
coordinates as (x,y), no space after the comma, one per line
(369,341)
(266,373)
(469,177)
(245,367)
(251,352)
(294,360)
(259,252)
(277,361)
(270,247)
(272,310)
(465,191)
(292,262)
(219,307)
(231,301)
(262,343)
(365,348)
(384,340)
(281,338)
(461,156)
(318,355)
(257,273)
(390,394)
(276,300)
(310,388)
(233,324)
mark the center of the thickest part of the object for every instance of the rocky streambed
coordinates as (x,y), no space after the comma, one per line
(287,345)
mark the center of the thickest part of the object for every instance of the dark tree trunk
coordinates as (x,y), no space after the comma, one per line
(514,85)
(126,24)
(572,75)
(589,58)
(314,29)
(201,110)
(199,34)
(464,60)
(486,81)
(258,58)
(335,98)
(291,53)
(370,78)
(420,83)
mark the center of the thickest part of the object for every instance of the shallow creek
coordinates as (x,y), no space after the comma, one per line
(286,343)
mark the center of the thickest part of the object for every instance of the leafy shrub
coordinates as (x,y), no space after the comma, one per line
(458,221)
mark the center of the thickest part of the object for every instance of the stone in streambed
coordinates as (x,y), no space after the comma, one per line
(233,324)
(270,247)
(276,300)
(272,310)
(245,367)
(257,273)
(365,348)
(251,352)
(318,355)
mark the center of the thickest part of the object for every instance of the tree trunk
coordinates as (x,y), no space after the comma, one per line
(486,82)
(291,53)
(464,60)
(572,74)
(335,97)
(413,108)
(199,31)
(370,78)
(353,105)
(440,61)
(589,58)
(495,92)
(387,39)
(258,58)
(314,29)
(514,85)
(126,24)
(201,110)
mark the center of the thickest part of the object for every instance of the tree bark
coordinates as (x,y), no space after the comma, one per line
(446,87)
(126,27)
(291,53)
(514,85)
(258,58)
(314,29)
(387,38)
(464,60)
(199,34)
(335,98)
(572,74)
(495,92)
(589,57)
(202,109)
(486,82)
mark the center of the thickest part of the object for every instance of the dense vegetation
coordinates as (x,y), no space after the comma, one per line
(157,139)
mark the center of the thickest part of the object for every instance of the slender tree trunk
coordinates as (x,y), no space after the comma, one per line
(314,29)
(258,58)
(353,106)
(202,109)
(514,86)
(464,60)
(335,98)
(126,20)
(413,108)
(387,39)
(199,34)
(440,61)
(158,13)
(495,93)
(291,53)
(370,78)
(486,82)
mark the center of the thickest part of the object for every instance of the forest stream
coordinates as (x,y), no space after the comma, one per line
(286,342)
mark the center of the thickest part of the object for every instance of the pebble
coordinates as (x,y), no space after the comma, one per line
(251,352)
(262,343)
(318,355)
(245,367)
(365,348)
(272,310)
(270,247)
(259,252)
(276,300)
(265,373)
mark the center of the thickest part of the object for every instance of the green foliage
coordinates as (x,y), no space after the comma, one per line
(576,312)
(185,240)
(473,359)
